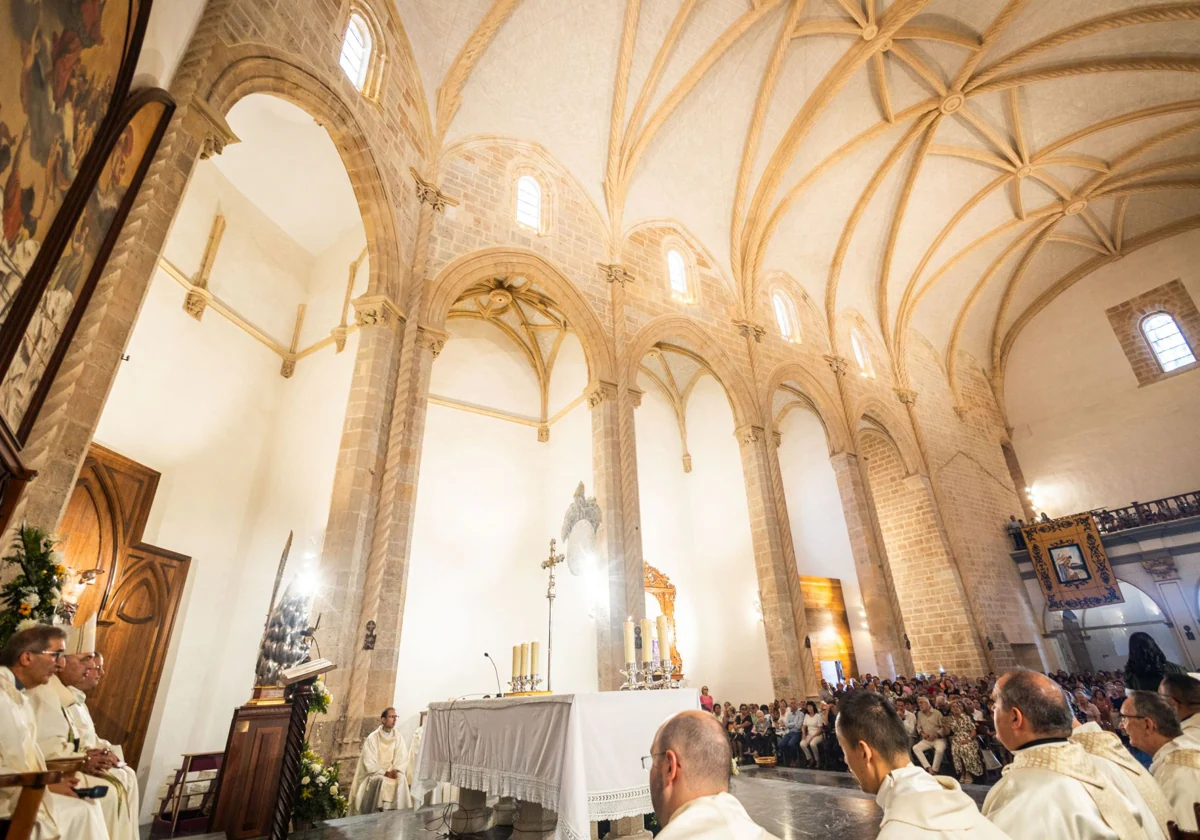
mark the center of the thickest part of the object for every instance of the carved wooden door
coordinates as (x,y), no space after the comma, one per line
(135,597)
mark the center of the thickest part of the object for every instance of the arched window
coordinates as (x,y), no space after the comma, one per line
(529,202)
(860,355)
(355,58)
(785,317)
(1169,346)
(678,276)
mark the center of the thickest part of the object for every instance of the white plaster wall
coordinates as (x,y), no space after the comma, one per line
(695,529)
(1086,435)
(245,455)
(818,521)
(489,500)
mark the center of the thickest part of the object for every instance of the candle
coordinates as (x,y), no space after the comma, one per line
(535,659)
(630,651)
(524,659)
(516,668)
(647,639)
(664,646)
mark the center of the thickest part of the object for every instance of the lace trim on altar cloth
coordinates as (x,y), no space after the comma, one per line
(615,804)
(527,788)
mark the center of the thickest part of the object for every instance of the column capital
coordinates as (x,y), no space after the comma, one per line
(615,273)
(750,434)
(635,396)
(838,364)
(749,329)
(776,438)
(906,396)
(428,193)
(377,310)
(217,133)
(599,390)
(431,339)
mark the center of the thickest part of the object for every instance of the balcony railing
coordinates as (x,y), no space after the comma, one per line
(1147,513)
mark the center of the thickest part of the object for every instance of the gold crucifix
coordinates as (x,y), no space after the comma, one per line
(552,561)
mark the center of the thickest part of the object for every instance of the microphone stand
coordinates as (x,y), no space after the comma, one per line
(499,693)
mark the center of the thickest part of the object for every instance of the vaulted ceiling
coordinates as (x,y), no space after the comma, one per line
(943,165)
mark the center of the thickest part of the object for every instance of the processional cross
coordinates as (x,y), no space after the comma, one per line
(550,563)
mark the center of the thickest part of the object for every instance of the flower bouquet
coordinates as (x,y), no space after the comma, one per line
(34,596)
(318,796)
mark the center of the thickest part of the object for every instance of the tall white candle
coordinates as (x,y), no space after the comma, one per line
(524,659)
(664,645)
(535,659)
(630,650)
(647,639)
(516,668)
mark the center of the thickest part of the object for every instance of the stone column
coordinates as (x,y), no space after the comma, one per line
(874,582)
(791,670)
(810,677)
(614,467)
(368,676)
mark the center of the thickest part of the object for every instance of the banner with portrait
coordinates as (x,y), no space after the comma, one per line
(1071,564)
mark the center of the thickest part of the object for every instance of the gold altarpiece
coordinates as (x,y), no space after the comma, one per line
(660,586)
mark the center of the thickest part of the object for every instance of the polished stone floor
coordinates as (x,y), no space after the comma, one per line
(791,804)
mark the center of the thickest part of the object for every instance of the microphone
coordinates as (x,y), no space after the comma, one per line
(499,693)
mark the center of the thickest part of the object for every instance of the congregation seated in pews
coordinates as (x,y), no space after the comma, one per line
(45,676)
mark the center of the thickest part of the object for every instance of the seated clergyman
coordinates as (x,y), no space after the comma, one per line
(379,779)
(690,764)
(65,730)
(28,660)
(916,805)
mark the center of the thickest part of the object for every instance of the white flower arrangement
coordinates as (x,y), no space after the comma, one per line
(31,599)
(333,789)
(27,623)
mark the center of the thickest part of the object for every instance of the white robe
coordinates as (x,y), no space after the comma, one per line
(59,816)
(1176,768)
(1056,790)
(381,753)
(65,730)
(719,817)
(918,806)
(1128,776)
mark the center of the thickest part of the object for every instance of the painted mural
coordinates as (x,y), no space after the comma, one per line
(60,62)
(82,259)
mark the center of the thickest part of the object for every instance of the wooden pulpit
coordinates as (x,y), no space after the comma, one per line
(257,782)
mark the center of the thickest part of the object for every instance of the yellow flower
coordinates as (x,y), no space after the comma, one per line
(306,793)
(24,609)
(60,570)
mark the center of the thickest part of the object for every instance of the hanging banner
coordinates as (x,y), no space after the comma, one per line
(1071,564)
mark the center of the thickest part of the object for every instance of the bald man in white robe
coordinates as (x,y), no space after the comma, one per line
(29,659)
(65,730)
(1053,788)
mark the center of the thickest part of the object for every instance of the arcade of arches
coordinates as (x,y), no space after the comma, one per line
(807,294)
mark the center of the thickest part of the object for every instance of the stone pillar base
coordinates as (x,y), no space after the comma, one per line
(505,810)
(629,827)
(473,816)
(534,822)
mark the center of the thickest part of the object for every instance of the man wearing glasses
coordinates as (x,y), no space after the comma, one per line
(29,659)
(689,766)
(1153,727)
(379,782)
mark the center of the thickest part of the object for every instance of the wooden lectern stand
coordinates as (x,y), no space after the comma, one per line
(257,783)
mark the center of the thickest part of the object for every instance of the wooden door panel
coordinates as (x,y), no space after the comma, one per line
(136,598)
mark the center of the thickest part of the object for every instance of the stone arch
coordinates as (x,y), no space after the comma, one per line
(836,435)
(673,228)
(872,416)
(471,268)
(260,71)
(667,327)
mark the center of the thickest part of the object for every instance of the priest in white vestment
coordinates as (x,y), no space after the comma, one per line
(28,660)
(916,805)
(380,779)
(66,730)
(1153,727)
(1053,788)
(689,765)
(1182,691)
(1127,775)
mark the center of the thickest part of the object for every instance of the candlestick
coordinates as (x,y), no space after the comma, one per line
(524,659)
(516,666)
(664,644)
(535,659)
(630,653)
(647,639)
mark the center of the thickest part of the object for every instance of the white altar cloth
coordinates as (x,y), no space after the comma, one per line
(576,754)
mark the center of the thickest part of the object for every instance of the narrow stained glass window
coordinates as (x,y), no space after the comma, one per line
(677,273)
(529,202)
(860,355)
(356,50)
(1169,346)
(785,317)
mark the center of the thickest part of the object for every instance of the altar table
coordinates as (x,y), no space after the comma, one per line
(576,754)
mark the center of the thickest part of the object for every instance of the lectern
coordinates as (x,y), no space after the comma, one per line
(256,787)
